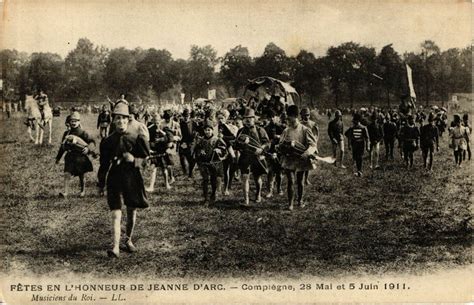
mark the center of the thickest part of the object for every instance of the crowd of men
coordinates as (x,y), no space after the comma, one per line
(235,144)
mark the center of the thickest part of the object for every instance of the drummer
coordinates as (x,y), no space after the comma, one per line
(76,163)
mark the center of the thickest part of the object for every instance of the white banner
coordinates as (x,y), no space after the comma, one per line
(182,98)
(410,82)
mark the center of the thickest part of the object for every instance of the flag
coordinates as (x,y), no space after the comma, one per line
(410,83)
(182,98)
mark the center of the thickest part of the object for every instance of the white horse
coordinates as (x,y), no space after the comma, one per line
(34,117)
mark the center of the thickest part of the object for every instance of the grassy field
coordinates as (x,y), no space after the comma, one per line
(390,220)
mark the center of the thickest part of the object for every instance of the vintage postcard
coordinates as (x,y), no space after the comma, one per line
(217,151)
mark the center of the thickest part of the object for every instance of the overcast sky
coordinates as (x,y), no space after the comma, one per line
(55,26)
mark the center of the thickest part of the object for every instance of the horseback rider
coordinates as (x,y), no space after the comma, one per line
(42,100)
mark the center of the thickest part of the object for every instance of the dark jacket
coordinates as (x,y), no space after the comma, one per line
(75,162)
(121,176)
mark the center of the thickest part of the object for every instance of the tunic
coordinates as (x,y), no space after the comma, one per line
(459,136)
(248,158)
(303,135)
(336,130)
(428,136)
(120,177)
(104,119)
(409,136)
(75,162)
(375,132)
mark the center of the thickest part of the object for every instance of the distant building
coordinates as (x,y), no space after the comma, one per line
(460,101)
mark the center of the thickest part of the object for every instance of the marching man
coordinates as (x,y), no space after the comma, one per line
(121,155)
(410,137)
(209,152)
(42,99)
(227,133)
(358,139)
(252,141)
(429,136)
(103,122)
(336,135)
(295,163)
(306,121)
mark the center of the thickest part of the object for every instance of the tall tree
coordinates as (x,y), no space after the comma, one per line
(14,69)
(155,71)
(308,75)
(236,68)
(46,72)
(349,64)
(430,54)
(84,68)
(120,71)
(273,62)
(391,71)
(199,70)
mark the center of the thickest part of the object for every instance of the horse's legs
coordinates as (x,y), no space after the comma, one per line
(41,133)
(29,134)
(50,129)
(37,133)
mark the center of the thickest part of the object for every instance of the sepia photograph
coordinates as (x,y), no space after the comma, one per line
(253,151)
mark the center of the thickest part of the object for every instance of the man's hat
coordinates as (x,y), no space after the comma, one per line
(338,113)
(75,116)
(292,111)
(305,111)
(121,109)
(185,112)
(249,113)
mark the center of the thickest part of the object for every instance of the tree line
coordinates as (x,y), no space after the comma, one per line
(347,74)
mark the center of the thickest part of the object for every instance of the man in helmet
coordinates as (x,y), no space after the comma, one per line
(76,162)
(121,156)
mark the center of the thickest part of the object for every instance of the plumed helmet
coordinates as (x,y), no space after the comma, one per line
(75,116)
(121,109)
